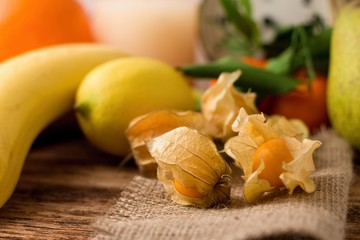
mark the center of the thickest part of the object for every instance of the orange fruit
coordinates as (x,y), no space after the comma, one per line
(187,192)
(274,153)
(31,24)
(307,104)
(255,62)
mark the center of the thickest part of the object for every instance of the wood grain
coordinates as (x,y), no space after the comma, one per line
(65,186)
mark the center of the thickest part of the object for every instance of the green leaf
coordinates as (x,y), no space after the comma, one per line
(236,46)
(319,45)
(307,55)
(283,63)
(296,55)
(315,31)
(243,23)
(246,5)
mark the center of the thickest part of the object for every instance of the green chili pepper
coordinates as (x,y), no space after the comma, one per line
(261,81)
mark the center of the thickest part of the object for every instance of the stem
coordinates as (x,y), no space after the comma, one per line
(307,57)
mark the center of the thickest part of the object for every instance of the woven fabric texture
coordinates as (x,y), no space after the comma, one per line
(144,211)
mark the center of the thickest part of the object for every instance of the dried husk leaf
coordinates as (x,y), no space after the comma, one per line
(254,187)
(154,124)
(297,172)
(253,131)
(220,104)
(301,127)
(192,159)
(288,127)
(242,149)
(253,126)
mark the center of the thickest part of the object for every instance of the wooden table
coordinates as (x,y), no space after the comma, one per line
(66,185)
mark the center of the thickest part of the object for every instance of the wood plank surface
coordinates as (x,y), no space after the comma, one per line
(65,186)
(62,189)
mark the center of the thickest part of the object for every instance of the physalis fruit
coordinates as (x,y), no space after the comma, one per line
(190,167)
(272,154)
(154,124)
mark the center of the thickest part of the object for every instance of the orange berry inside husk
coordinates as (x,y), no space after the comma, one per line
(187,192)
(273,153)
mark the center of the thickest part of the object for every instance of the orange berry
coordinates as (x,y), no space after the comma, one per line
(187,192)
(273,153)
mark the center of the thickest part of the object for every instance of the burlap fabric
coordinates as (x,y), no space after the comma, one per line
(144,211)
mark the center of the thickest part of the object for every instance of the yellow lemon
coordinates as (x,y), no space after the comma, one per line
(116,92)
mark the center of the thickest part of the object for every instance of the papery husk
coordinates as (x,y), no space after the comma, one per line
(252,132)
(192,159)
(156,123)
(254,187)
(220,104)
(255,130)
(242,149)
(288,127)
(254,126)
(297,172)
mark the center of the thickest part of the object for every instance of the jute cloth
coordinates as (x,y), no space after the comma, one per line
(144,211)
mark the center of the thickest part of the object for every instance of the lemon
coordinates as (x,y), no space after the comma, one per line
(116,92)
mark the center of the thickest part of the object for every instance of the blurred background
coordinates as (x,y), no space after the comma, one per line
(176,31)
(287,37)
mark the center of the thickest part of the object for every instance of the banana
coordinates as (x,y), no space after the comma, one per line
(35,89)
